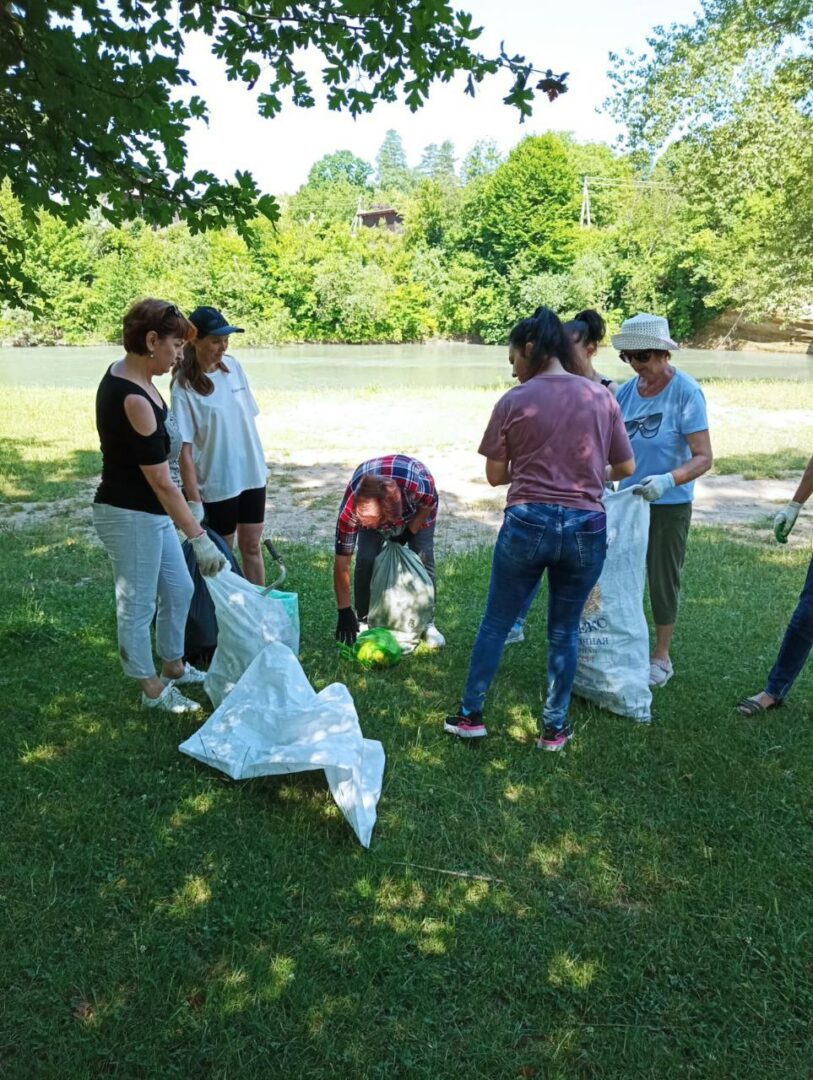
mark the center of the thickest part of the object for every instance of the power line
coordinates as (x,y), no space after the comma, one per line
(609,181)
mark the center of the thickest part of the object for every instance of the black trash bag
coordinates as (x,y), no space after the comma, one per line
(201,625)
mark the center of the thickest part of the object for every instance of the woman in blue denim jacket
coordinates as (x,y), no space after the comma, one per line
(554,439)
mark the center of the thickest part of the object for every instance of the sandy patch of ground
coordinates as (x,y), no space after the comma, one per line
(304,495)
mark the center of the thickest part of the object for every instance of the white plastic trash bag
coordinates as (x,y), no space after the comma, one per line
(613,665)
(247,621)
(402,594)
(273,722)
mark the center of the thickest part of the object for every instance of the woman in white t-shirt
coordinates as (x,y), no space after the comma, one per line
(222,462)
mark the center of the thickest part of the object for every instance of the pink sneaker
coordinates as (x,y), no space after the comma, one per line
(465,727)
(554,738)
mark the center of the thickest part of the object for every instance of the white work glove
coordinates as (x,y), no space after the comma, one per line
(653,487)
(785,520)
(211,559)
(196,510)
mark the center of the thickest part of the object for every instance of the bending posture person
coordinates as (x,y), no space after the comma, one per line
(395,497)
(664,412)
(222,462)
(137,504)
(798,639)
(586,332)
(551,439)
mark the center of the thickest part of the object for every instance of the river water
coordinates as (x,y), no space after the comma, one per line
(348,367)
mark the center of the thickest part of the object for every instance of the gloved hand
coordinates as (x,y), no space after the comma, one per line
(211,559)
(785,520)
(347,626)
(196,510)
(402,537)
(653,487)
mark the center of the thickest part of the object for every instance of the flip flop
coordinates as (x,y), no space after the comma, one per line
(749,707)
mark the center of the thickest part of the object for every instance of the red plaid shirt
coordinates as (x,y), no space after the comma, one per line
(417,489)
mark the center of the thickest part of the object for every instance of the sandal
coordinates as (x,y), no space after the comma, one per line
(749,707)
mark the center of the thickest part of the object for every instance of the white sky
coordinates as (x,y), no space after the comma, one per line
(565,36)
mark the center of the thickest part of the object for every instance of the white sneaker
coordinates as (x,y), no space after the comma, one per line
(660,672)
(433,637)
(170,700)
(190,675)
(516,634)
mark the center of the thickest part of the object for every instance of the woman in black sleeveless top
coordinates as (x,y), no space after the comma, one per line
(137,506)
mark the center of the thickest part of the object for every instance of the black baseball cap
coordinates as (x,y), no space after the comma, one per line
(208,321)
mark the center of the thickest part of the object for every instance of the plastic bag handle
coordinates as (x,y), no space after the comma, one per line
(283,573)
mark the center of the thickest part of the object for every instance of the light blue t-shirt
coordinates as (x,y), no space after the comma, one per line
(657,428)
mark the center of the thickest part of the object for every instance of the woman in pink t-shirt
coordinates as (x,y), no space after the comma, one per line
(550,439)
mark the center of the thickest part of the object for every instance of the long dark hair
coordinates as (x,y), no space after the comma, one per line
(188,373)
(545,330)
(588,327)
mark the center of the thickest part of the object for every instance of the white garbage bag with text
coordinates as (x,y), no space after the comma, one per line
(273,722)
(613,664)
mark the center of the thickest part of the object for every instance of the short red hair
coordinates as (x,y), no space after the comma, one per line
(377,498)
(157,315)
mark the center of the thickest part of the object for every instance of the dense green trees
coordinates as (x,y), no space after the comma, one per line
(707,228)
(96,102)
(526,211)
(731,93)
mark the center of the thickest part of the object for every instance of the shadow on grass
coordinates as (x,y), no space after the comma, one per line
(35,470)
(636,905)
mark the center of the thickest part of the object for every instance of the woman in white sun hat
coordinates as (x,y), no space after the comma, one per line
(664,413)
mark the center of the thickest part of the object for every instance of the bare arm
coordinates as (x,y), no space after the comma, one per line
(805,488)
(188,476)
(497,472)
(140,414)
(622,470)
(171,498)
(341,580)
(700,461)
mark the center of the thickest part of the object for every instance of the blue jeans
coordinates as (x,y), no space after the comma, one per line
(796,644)
(571,545)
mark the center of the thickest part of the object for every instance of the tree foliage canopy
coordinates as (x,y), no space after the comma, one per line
(697,72)
(527,208)
(96,102)
(730,96)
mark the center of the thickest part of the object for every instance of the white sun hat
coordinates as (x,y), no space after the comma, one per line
(644,332)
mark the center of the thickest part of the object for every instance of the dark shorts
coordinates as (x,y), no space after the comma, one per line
(247,508)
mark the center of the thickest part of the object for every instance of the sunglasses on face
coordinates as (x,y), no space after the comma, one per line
(640,356)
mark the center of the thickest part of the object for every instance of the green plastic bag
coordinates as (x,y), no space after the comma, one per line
(374,648)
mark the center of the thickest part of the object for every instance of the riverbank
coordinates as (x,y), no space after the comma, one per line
(49,458)
(732,333)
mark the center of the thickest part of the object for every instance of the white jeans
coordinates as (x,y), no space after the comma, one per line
(150,574)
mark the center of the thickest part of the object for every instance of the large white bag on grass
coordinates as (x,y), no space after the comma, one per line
(402,594)
(613,664)
(274,722)
(247,621)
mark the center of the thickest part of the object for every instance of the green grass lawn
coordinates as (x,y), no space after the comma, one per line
(638,906)
(49,447)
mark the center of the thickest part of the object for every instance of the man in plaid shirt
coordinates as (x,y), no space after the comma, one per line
(392,496)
